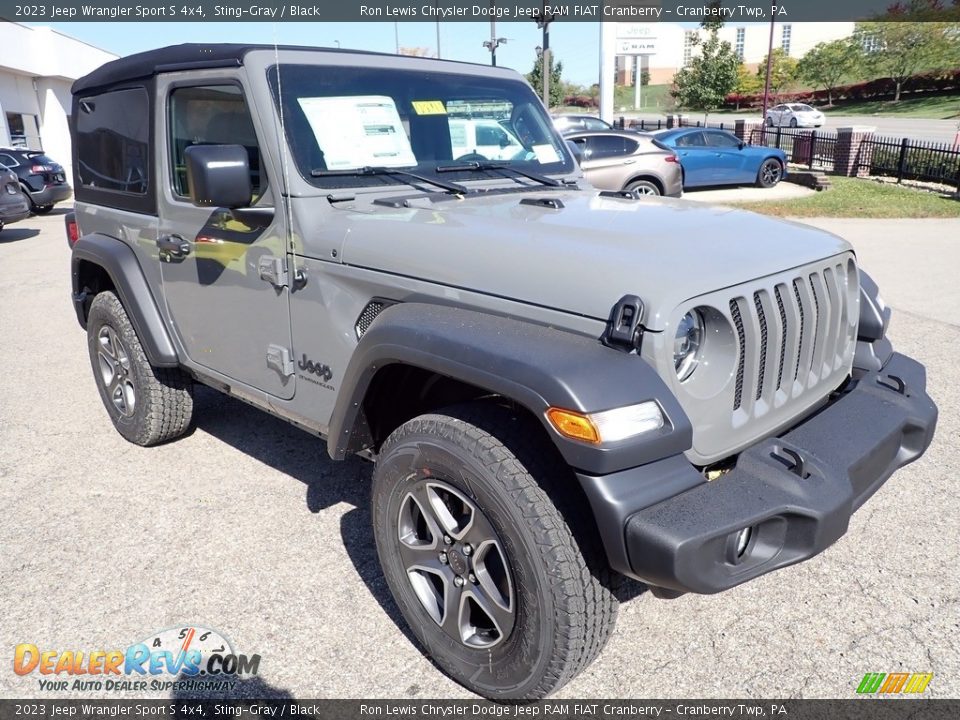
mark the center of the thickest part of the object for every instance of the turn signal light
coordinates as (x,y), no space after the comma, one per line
(573,425)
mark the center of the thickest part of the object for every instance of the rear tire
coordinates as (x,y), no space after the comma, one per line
(482,474)
(643,187)
(147,405)
(771,173)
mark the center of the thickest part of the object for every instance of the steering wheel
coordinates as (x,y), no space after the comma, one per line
(472,157)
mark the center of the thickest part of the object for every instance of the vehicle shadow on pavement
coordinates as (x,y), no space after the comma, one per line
(13,234)
(293,452)
(243,687)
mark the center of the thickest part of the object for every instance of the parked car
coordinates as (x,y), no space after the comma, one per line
(576,123)
(13,206)
(623,160)
(718,157)
(487,138)
(794,115)
(42,180)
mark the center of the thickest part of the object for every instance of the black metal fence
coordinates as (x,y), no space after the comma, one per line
(900,158)
(907,159)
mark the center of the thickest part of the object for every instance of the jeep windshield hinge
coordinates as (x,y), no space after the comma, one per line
(280,359)
(274,271)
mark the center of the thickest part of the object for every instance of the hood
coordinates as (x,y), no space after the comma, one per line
(584,256)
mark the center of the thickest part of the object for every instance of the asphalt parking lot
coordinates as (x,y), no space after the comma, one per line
(246,526)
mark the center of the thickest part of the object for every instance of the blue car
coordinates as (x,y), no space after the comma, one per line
(717,157)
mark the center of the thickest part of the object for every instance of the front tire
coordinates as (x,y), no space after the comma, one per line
(771,173)
(147,405)
(508,593)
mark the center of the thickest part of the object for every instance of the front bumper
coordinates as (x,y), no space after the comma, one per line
(797,492)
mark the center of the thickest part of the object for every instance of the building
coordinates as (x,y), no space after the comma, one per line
(37,67)
(664,48)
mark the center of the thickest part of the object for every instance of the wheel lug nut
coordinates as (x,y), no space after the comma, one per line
(447,540)
(443,558)
(458,581)
(467,550)
(472,578)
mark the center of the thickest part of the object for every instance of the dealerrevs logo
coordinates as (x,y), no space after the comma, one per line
(188,657)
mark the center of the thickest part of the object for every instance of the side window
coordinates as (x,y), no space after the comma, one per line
(113,135)
(211,115)
(691,140)
(722,140)
(606,146)
(8,161)
(630,146)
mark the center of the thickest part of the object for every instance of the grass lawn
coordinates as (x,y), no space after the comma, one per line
(935,107)
(853,198)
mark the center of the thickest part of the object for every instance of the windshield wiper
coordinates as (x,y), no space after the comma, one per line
(409,177)
(481,166)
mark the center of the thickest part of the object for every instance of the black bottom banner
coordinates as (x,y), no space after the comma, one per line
(273,709)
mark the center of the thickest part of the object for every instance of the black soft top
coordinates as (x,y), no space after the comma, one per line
(180,57)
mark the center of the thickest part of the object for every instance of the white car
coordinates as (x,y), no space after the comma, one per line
(794,115)
(482,137)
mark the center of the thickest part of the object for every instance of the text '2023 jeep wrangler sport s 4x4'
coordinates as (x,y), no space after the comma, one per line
(559,386)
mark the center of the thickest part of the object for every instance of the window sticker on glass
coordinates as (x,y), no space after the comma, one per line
(429,107)
(358,131)
(546,154)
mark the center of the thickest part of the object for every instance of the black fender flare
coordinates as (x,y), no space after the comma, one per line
(535,366)
(120,263)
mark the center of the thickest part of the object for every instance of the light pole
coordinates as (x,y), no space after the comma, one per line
(493,43)
(338,44)
(766,85)
(543,20)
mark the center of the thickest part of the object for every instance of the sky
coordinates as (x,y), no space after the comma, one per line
(576,44)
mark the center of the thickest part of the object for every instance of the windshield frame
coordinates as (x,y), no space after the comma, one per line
(296,134)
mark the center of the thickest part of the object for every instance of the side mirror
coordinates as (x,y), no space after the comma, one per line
(218,175)
(742,144)
(575,151)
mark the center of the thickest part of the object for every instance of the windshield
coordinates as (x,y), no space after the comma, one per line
(340,119)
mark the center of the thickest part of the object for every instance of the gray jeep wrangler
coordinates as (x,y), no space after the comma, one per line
(559,386)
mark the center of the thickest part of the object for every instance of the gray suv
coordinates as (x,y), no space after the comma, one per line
(558,386)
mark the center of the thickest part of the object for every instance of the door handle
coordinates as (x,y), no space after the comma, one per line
(629,162)
(173,245)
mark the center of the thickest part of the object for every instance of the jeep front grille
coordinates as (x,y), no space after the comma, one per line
(778,347)
(803,324)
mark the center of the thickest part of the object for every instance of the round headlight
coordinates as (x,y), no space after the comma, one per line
(687,343)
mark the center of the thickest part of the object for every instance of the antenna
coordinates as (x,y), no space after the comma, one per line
(285,168)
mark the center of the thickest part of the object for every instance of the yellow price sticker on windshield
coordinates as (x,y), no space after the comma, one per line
(429,107)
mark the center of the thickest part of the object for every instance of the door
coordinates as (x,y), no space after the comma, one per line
(696,158)
(607,160)
(728,165)
(228,318)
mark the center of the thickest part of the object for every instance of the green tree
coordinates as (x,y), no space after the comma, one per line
(535,78)
(783,70)
(747,83)
(827,63)
(900,49)
(709,78)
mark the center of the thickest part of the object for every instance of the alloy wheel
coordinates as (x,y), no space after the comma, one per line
(456,564)
(770,173)
(115,374)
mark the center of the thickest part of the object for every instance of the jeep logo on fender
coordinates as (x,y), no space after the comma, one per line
(321,371)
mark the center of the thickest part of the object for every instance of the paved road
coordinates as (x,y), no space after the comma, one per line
(247,527)
(940,131)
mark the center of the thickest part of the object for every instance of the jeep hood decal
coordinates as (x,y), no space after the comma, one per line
(584,256)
